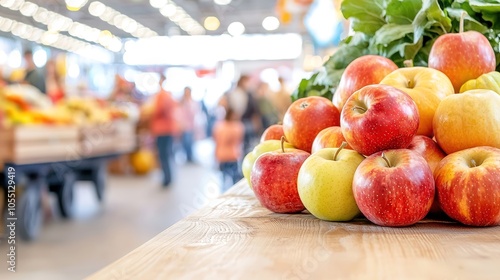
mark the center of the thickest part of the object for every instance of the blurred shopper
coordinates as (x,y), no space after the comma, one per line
(54,82)
(34,76)
(228,136)
(164,128)
(244,104)
(281,99)
(189,112)
(269,114)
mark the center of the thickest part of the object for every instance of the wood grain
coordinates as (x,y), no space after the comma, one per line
(235,238)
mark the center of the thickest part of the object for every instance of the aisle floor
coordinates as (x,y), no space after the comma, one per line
(136,208)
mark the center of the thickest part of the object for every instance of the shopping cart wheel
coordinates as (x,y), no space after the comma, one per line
(65,195)
(98,177)
(29,213)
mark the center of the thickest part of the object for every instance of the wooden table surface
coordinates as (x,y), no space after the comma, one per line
(235,238)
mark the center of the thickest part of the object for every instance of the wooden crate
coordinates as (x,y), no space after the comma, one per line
(107,138)
(37,143)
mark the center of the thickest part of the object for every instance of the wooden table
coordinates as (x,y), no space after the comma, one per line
(235,238)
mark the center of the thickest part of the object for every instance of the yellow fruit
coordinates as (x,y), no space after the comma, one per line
(489,81)
(142,161)
(467,120)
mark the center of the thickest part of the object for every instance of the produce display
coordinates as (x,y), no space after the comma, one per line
(396,147)
(23,106)
(407,30)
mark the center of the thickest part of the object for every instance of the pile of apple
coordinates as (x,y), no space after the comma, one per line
(394,144)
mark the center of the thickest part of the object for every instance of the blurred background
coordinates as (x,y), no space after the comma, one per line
(108,109)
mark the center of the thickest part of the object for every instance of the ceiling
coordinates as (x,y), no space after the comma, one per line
(249,12)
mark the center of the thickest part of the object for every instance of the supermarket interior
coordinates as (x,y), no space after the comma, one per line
(250,139)
(79,80)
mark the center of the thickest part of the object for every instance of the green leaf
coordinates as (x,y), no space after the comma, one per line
(391,32)
(430,12)
(469,22)
(402,11)
(485,6)
(366,16)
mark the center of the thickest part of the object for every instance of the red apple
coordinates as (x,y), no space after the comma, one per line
(363,71)
(468,186)
(462,56)
(427,148)
(330,137)
(433,154)
(379,117)
(273,132)
(394,187)
(274,180)
(306,117)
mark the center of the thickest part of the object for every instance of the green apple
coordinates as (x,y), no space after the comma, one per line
(251,157)
(325,184)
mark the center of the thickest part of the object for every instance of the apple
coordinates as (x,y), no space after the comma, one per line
(330,137)
(426,86)
(273,132)
(325,183)
(274,180)
(489,80)
(428,149)
(251,157)
(467,183)
(462,56)
(379,117)
(306,117)
(467,120)
(432,153)
(363,71)
(394,187)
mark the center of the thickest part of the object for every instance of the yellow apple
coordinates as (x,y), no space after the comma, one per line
(489,80)
(325,184)
(251,157)
(467,120)
(426,86)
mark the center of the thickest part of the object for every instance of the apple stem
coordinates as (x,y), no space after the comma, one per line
(283,144)
(386,160)
(408,63)
(342,146)
(363,110)
(473,162)
(461,26)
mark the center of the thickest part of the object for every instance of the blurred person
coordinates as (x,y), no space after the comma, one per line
(228,136)
(189,110)
(34,76)
(281,99)
(269,114)
(242,101)
(164,128)
(54,82)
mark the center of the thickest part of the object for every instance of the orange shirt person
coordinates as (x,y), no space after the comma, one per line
(164,127)
(228,135)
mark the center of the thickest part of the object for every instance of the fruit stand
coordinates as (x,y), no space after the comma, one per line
(234,237)
(55,157)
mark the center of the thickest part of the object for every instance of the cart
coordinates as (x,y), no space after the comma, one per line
(44,158)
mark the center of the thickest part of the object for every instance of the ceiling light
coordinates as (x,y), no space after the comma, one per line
(270,23)
(41,15)
(158,3)
(75,5)
(49,38)
(211,23)
(168,10)
(28,9)
(236,28)
(97,8)
(222,2)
